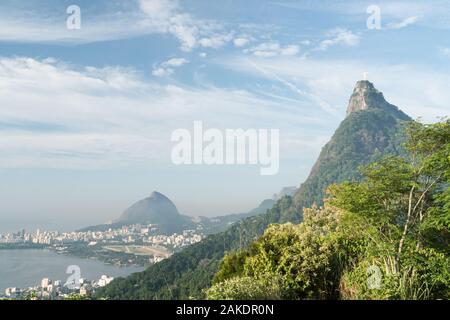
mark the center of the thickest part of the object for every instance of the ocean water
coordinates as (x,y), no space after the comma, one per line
(26,268)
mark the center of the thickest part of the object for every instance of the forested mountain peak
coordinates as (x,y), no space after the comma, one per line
(370,131)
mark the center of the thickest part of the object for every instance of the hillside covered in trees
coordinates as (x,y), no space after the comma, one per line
(386,237)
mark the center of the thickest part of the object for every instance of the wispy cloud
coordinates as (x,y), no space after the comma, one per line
(301,92)
(417,90)
(216,41)
(167,16)
(339,36)
(241,41)
(167,67)
(32,25)
(402,24)
(429,13)
(148,17)
(272,49)
(103,117)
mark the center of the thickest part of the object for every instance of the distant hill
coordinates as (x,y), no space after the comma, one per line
(262,208)
(156,209)
(221,223)
(286,191)
(159,210)
(371,130)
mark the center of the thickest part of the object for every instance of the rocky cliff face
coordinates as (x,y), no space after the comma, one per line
(365,96)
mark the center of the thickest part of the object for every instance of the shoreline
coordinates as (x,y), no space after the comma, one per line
(109,259)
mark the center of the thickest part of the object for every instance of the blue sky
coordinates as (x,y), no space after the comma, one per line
(86,115)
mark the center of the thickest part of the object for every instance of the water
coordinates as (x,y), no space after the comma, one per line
(26,268)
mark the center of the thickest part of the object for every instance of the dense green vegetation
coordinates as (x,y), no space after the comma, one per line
(385,237)
(187,273)
(363,137)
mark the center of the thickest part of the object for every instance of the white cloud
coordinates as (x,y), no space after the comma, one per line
(402,24)
(166,68)
(429,13)
(150,17)
(100,118)
(36,29)
(290,50)
(272,49)
(159,9)
(305,42)
(339,36)
(166,16)
(162,72)
(175,62)
(216,41)
(240,42)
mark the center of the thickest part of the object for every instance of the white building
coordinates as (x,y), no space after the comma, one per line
(45,283)
(104,280)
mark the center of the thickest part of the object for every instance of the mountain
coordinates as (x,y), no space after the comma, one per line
(221,223)
(262,208)
(365,96)
(286,191)
(159,210)
(156,209)
(371,130)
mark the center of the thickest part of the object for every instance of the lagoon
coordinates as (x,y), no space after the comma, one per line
(25,268)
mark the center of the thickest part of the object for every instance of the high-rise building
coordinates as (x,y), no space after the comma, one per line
(45,283)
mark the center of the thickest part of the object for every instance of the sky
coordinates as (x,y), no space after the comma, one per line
(86,115)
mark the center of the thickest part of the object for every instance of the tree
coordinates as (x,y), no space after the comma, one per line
(299,260)
(395,221)
(246,288)
(401,208)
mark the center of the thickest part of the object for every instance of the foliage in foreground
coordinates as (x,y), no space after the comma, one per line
(386,237)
